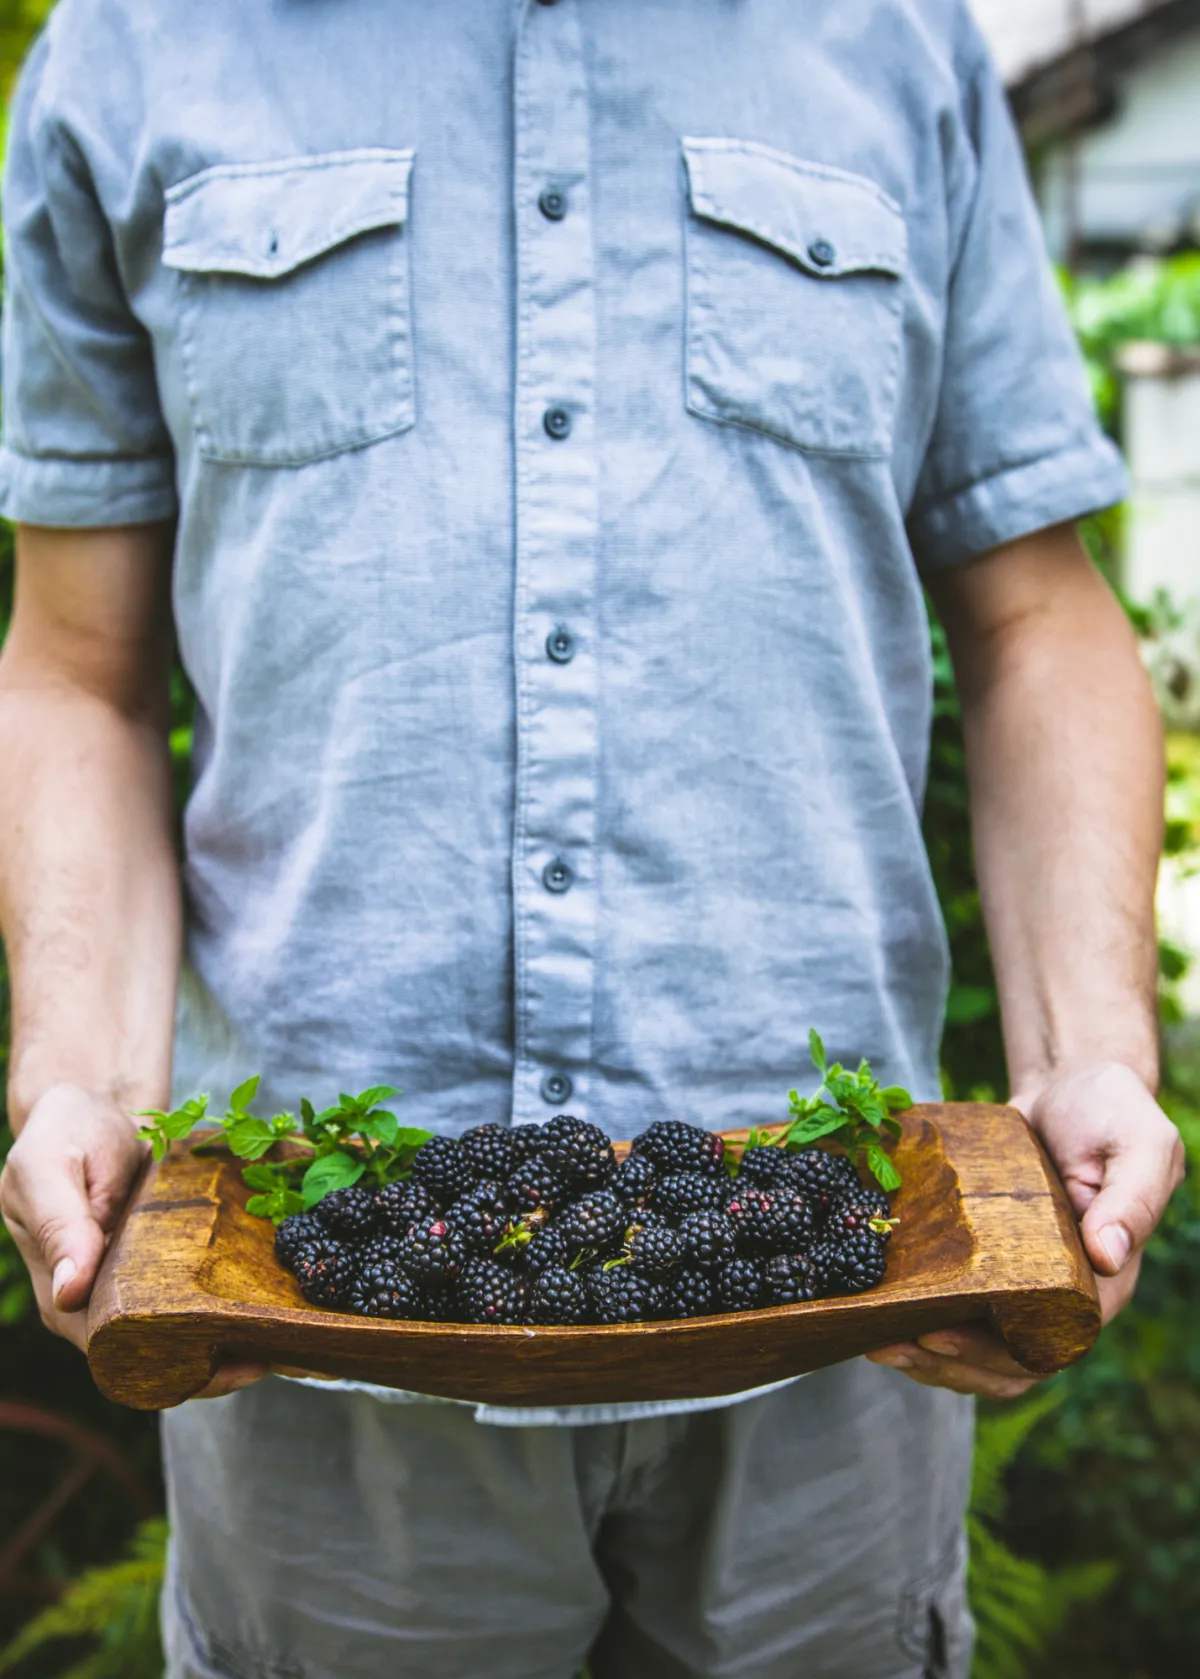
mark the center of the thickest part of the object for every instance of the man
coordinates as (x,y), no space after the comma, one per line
(538,421)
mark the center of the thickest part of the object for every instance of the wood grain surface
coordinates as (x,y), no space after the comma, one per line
(190,1280)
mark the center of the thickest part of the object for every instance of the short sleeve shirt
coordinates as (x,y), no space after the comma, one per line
(561,404)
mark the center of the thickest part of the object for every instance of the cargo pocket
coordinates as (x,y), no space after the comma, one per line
(794,298)
(294,314)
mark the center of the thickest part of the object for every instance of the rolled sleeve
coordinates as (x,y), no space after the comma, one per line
(1015,446)
(84,441)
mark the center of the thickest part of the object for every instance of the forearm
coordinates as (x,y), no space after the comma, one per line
(1064,751)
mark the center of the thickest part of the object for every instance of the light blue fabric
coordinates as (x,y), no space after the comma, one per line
(282,268)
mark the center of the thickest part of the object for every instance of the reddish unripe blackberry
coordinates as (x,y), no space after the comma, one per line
(674,1146)
(688,1293)
(293,1233)
(633,1182)
(535,1187)
(490,1293)
(619,1295)
(825,1178)
(480,1215)
(708,1238)
(739,1285)
(489,1151)
(860,1261)
(770,1221)
(682,1193)
(790,1279)
(444,1169)
(559,1296)
(433,1251)
(591,1223)
(401,1204)
(652,1247)
(351,1213)
(580,1153)
(763,1165)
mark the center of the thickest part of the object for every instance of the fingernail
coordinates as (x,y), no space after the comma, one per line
(1114,1239)
(64,1271)
(943,1344)
(894,1361)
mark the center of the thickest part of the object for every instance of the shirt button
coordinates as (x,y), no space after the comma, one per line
(552,202)
(557,423)
(822,253)
(560,646)
(556,1089)
(558,876)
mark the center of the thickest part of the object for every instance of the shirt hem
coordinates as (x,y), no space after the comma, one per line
(77,494)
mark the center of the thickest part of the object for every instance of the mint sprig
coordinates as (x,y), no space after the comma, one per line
(355,1139)
(850,1108)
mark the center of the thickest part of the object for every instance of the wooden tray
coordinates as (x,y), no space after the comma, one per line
(985,1232)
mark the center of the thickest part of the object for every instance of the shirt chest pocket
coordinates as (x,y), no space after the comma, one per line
(294,316)
(794,298)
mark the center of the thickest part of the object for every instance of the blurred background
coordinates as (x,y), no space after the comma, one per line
(1085,1524)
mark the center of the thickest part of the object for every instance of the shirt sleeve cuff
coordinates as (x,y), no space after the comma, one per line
(78,494)
(1016,502)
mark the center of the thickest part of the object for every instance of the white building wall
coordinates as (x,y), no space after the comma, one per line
(1027,33)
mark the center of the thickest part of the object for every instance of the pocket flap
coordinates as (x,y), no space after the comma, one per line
(829,221)
(264,219)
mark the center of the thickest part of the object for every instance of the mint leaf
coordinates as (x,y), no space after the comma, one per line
(372,1098)
(244,1095)
(278,1205)
(896,1098)
(383,1126)
(332,1171)
(887,1175)
(250,1138)
(261,1177)
(805,1132)
(816,1049)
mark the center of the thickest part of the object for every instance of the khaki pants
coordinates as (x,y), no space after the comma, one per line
(813,1533)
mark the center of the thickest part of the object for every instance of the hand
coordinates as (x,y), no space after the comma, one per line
(67,1177)
(1121,1160)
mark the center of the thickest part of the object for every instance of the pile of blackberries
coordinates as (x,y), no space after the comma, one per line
(540,1225)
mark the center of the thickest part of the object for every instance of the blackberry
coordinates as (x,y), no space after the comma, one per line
(381,1259)
(444,1169)
(559,1296)
(535,1187)
(671,1145)
(489,1150)
(763,1165)
(652,1247)
(545,1248)
(580,1153)
(293,1233)
(860,1261)
(490,1293)
(526,1142)
(325,1270)
(823,1261)
(689,1192)
(857,1211)
(825,1178)
(771,1221)
(688,1293)
(592,1222)
(633,1182)
(708,1238)
(351,1213)
(399,1297)
(401,1204)
(789,1279)
(739,1285)
(480,1216)
(619,1295)
(434,1252)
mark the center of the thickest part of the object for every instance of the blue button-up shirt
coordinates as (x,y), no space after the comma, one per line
(560,404)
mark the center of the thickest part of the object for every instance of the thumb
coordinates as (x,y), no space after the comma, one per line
(1137,1184)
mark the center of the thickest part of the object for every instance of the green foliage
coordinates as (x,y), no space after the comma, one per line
(1152,299)
(114,1608)
(850,1109)
(353,1139)
(1019,1605)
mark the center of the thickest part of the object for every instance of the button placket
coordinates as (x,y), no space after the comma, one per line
(554,882)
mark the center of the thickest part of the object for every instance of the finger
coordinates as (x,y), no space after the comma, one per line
(1140,1177)
(232,1378)
(47,1209)
(1116,1292)
(955,1375)
(975,1344)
